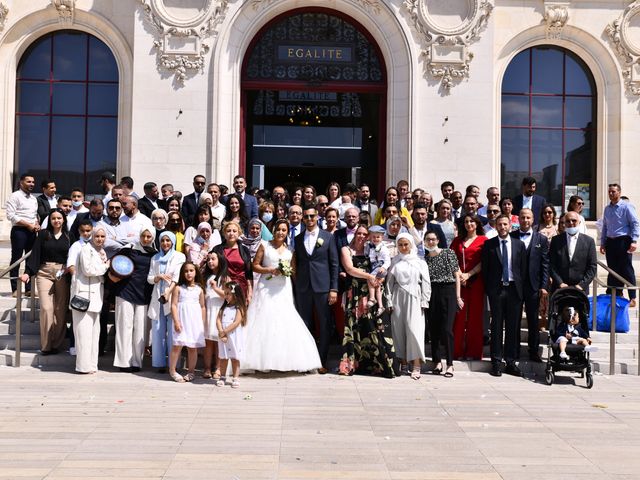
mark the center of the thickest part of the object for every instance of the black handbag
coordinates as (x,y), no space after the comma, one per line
(79,303)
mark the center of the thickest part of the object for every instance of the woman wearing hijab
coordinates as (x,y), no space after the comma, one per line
(133,294)
(202,244)
(394,228)
(159,219)
(163,275)
(88,283)
(408,290)
(253,239)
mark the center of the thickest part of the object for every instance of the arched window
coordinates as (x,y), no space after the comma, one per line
(549,126)
(67,110)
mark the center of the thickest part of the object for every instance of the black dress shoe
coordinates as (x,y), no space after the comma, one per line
(512,369)
(495,370)
(125,369)
(135,369)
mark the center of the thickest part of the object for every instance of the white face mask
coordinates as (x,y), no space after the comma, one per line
(76,203)
(572,230)
(431,249)
(267,217)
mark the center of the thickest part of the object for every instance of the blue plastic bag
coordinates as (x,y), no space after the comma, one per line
(603,319)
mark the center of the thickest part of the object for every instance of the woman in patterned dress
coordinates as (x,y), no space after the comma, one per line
(367,342)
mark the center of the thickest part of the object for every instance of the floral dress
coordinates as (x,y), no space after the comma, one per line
(367,342)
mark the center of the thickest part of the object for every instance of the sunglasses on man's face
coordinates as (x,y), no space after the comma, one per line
(309,216)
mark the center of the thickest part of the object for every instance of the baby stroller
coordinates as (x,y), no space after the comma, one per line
(578,355)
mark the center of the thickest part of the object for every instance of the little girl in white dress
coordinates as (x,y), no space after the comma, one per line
(189,315)
(216,275)
(231,321)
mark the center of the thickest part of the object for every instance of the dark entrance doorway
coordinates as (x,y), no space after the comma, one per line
(314,92)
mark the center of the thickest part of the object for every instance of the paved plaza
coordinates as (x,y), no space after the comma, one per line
(56,424)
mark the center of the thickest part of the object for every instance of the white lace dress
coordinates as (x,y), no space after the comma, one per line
(276,337)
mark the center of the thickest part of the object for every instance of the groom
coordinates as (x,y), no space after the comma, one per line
(316,289)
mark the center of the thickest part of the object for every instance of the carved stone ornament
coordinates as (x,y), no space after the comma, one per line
(624,34)
(556,16)
(447,28)
(371,6)
(66,10)
(4,12)
(181,31)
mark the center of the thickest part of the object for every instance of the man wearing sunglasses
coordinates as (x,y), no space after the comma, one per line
(190,202)
(316,282)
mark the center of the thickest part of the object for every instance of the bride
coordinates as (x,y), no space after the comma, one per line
(276,337)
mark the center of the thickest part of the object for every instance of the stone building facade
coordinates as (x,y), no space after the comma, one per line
(476,91)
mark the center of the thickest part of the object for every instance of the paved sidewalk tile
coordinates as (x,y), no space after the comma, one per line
(58,425)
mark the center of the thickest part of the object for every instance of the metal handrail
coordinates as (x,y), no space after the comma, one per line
(612,327)
(18,348)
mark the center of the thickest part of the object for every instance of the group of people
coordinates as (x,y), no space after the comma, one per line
(265,279)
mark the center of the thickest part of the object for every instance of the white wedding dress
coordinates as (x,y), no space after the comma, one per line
(276,337)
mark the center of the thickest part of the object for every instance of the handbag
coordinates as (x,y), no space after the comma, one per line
(79,303)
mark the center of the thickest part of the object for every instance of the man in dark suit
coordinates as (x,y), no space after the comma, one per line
(316,279)
(536,278)
(572,259)
(504,264)
(151,200)
(250,202)
(190,202)
(469,207)
(421,226)
(47,200)
(529,199)
(344,236)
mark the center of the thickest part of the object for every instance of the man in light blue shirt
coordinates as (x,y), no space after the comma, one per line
(620,232)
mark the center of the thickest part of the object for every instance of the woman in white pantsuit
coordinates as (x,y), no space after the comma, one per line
(87,282)
(409,290)
(133,294)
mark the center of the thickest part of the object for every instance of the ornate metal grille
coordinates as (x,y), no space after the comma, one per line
(313,29)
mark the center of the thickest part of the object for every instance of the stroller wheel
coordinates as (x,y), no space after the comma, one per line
(549,377)
(589,380)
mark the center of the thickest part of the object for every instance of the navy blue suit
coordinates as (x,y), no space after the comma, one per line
(189,207)
(537,203)
(316,276)
(505,300)
(537,278)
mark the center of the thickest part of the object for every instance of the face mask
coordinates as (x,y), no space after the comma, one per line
(571,230)
(76,203)
(431,249)
(267,217)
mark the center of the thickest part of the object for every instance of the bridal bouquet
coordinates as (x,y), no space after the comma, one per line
(284,267)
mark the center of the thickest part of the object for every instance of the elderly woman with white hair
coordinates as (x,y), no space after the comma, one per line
(87,286)
(408,291)
(133,294)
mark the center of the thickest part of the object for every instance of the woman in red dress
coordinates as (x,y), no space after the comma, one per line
(238,258)
(467,328)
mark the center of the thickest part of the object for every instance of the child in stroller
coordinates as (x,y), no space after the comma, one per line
(571,332)
(569,342)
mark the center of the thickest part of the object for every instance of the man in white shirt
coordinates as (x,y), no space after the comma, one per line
(77,205)
(133,220)
(218,209)
(295,225)
(493,198)
(107,182)
(22,212)
(48,200)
